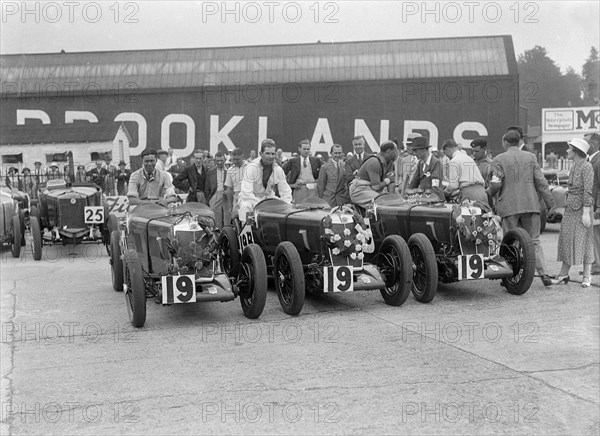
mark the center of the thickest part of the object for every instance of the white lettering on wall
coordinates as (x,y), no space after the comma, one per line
(142,130)
(411,126)
(468,126)
(361,128)
(31,114)
(222,136)
(71,116)
(322,131)
(190,132)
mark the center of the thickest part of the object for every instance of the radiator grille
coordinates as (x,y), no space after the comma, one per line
(72,215)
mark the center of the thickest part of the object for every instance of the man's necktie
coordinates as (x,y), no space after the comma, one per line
(305,164)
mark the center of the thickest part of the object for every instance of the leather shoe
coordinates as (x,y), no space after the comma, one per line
(586,283)
(546,280)
(559,279)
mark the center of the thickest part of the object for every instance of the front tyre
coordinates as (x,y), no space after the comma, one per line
(395,264)
(116,263)
(253,292)
(289,278)
(229,249)
(425,272)
(518,250)
(15,245)
(135,296)
(36,236)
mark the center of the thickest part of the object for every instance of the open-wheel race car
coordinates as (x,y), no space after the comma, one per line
(67,213)
(172,256)
(313,248)
(454,242)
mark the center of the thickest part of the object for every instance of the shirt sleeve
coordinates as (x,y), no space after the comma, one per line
(285,192)
(169,191)
(228,182)
(453,175)
(134,185)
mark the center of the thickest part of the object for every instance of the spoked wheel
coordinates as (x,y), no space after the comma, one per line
(36,236)
(518,250)
(425,272)
(289,278)
(135,295)
(116,263)
(252,281)
(15,245)
(111,224)
(229,249)
(395,264)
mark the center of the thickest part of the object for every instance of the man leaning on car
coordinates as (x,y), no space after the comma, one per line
(149,185)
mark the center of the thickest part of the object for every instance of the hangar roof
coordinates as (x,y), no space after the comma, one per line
(317,62)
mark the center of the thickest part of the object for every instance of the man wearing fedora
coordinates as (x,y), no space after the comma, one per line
(429,174)
(517,179)
(123,176)
(406,164)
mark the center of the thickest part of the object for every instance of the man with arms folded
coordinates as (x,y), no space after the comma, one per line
(261,176)
(331,185)
(193,179)
(429,173)
(149,185)
(463,174)
(302,172)
(375,174)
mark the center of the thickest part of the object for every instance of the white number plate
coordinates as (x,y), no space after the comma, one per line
(246,237)
(470,267)
(338,279)
(178,289)
(94,214)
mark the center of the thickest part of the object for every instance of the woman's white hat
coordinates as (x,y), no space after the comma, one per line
(580,144)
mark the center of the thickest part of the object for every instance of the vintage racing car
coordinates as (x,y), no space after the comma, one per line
(67,213)
(22,202)
(313,248)
(452,242)
(172,256)
(11,229)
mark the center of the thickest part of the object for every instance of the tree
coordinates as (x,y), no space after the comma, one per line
(590,78)
(543,85)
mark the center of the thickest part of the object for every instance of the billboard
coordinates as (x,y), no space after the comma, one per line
(224,117)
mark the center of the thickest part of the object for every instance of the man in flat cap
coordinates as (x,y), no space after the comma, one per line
(429,174)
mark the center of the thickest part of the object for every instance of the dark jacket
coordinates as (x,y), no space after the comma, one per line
(425,174)
(352,164)
(188,180)
(292,169)
(211,182)
(596,186)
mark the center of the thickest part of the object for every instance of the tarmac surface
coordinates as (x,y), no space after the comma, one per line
(476,360)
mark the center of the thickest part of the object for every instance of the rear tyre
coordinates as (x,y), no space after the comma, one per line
(253,294)
(395,264)
(229,249)
(518,250)
(36,237)
(135,296)
(112,223)
(116,263)
(289,278)
(22,223)
(15,245)
(425,272)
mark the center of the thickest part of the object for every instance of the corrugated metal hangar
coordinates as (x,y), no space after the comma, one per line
(220,98)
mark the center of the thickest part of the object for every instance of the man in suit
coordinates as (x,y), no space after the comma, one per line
(517,201)
(594,157)
(331,185)
(216,194)
(194,179)
(302,173)
(354,161)
(429,173)
(522,146)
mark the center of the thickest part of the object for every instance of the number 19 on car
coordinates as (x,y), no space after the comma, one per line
(178,289)
(470,267)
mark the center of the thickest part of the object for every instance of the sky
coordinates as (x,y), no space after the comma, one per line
(567,29)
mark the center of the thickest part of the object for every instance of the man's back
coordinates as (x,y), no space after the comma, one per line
(518,172)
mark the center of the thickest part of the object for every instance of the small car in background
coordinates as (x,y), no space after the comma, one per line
(67,213)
